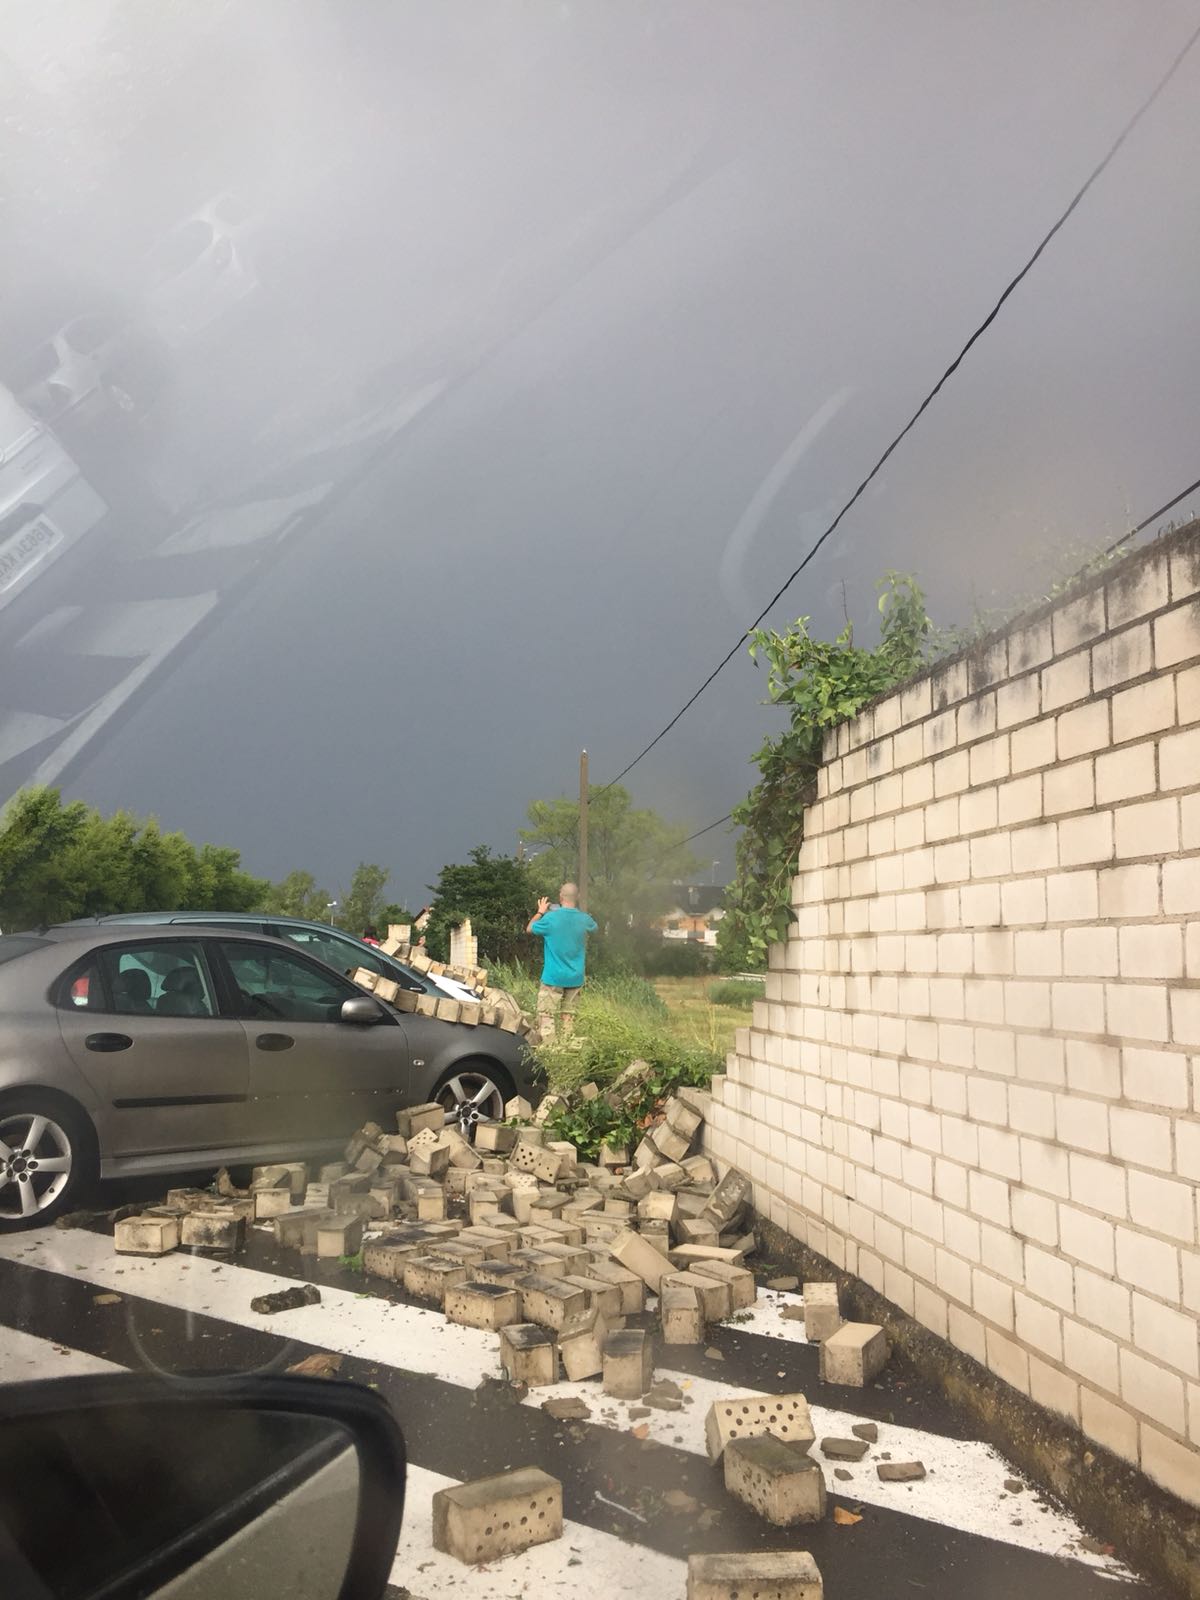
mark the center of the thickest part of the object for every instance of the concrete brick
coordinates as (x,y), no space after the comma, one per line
(581,1345)
(632,1287)
(627,1363)
(1166,1335)
(271,1203)
(1146,708)
(1180,889)
(223,1229)
(1179,760)
(428,1277)
(777,1574)
(1177,636)
(633,1252)
(483,1305)
(714,1297)
(1065,682)
(783,1416)
(1172,1464)
(492,1517)
(738,1280)
(146,1236)
(529,1354)
(681,1313)
(494,1136)
(1125,774)
(1148,829)
(551,1302)
(601,1296)
(416,1119)
(854,1355)
(337,1236)
(1109,1424)
(1083,730)
(1163,1205)
(1136,1011)
(1152,1390)
(779,1481)
(1123,656)
(1085,839)
(1129,891)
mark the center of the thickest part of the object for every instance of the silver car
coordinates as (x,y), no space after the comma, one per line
(131,1050)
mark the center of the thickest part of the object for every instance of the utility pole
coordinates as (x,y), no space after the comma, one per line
(583,830)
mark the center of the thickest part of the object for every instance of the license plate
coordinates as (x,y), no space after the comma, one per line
(26,549)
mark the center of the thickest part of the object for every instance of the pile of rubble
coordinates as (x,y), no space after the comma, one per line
(494,1007)
(515,1235)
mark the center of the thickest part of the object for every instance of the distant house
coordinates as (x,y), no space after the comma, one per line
(695,914)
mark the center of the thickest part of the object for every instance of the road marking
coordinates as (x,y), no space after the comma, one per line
(606,1564)
(24,730)
(24,1356)
(89,726)
(964,1488)
(233,526)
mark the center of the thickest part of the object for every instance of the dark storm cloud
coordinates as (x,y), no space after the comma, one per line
(682,270)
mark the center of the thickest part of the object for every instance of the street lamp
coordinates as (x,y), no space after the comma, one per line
(713,878)
(331,907)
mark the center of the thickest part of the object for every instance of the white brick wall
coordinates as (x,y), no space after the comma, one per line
(975,1079)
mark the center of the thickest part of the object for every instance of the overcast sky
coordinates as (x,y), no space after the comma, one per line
(719,252)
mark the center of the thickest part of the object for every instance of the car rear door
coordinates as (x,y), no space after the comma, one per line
(312,1076)
(142,1022)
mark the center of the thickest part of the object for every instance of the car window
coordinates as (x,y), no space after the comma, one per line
(275,984)
(159,978)
(342,953)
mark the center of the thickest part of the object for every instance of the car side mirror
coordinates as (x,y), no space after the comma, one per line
(361,1009)
(121,1484)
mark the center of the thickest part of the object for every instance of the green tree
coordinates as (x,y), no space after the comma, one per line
(634,857)
(362,906)
(58,862)
(298,896)
(497,893)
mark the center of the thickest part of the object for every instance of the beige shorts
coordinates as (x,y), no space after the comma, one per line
(551,1000)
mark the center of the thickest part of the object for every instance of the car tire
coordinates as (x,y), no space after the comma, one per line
(459,1091)
(61,1134)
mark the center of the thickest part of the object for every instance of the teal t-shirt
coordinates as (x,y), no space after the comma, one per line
(565,931)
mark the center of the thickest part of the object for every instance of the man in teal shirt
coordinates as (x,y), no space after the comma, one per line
(564,932)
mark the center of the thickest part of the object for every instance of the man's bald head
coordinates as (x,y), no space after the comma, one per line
(569,894)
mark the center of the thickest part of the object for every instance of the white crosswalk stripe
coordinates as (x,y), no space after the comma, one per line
(604,1564)
(964,1489)
(25,1357)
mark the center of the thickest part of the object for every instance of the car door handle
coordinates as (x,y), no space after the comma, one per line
(274,1041)
(108,1041)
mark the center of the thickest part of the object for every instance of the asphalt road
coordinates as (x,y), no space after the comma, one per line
(638,1491)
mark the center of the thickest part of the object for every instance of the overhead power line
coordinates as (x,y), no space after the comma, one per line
(1153,517)
(978,333)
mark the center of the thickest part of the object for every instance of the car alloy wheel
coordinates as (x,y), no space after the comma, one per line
(470,1097)
(36,1159)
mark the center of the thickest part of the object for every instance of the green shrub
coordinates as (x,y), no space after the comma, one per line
(677,958)
(736,992)
(588,1123)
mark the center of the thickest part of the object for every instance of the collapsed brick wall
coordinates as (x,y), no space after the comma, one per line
(974,1080)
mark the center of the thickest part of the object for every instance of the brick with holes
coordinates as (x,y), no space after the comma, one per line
(779,1481)
(783,1416)
(771,1574)
(492,1517)
(529,1354)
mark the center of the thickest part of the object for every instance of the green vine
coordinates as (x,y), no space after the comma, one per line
(823,684)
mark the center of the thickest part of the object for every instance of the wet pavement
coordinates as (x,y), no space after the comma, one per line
(639,1493)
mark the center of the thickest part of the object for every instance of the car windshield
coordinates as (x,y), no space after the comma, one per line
(600,776)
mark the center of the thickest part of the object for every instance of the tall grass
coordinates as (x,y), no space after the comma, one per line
(620,1019)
